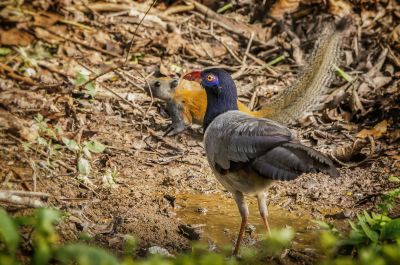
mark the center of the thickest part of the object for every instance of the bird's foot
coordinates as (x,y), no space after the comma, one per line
(175,129)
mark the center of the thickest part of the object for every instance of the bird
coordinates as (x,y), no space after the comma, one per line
(246,153)
(187,101)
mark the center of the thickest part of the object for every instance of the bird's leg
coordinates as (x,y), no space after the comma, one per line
(244,213)
(262,206)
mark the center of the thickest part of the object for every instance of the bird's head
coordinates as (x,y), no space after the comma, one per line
(215,81)
(220,88)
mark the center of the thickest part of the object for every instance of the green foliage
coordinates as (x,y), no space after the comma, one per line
(95,147)
(343,74)
(90,88)
(46,248)
(83,152)
(389,199)
(84,166)
(8,234)
(374,238)
(4,51)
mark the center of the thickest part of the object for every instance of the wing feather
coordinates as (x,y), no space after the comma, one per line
(235,140)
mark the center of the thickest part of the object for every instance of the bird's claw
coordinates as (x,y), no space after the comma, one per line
(174,130)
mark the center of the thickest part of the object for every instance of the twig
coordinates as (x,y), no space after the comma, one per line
(227,48)
(52,69)
(82,43)
(26,193)
(123,99)
(32,165)
(10,72)
(232,26)
(60,163)
(247,49)
(177,9)
(99,75)
(134,33)
(68,22)
(14,199)
(123,74)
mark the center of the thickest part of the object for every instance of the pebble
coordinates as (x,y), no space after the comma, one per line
(156,250)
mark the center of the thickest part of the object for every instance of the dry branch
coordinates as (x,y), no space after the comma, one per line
(239,29)
(11,73)
(8,197)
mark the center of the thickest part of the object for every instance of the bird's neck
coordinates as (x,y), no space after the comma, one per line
(217,105)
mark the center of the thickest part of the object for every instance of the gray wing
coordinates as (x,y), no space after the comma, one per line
(236,141)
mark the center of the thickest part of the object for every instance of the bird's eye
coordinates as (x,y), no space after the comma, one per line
(157,84)
(210,78)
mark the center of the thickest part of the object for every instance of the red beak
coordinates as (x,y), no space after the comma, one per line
(193,76)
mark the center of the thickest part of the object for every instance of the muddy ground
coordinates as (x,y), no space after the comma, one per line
(142,182)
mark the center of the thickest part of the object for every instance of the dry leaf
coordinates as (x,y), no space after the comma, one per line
(205,49)
(340,7)
(15,36)
(378,131)
(45,35)
(281,7)
(346,152)
(46,19)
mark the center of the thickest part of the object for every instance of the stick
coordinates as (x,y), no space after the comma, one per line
(230,25)
(82,43)
(14,199)
(60,163)
(134,33)
(177,9)
(26,193)
(10,72)
(123,99)
(247,49)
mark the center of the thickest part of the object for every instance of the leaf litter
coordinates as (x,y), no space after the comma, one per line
(99,148)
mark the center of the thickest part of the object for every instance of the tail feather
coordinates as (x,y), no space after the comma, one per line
(290,160)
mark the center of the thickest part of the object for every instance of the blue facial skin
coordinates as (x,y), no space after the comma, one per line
(211,85)
(221,93)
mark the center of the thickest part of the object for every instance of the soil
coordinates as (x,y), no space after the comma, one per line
(155,176)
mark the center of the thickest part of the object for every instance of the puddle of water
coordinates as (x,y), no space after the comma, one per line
(222,213)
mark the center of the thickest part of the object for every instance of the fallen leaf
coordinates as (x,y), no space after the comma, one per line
(15,36)
(378,131)
(339,7)
(281,7)
(205,49)
(46,19)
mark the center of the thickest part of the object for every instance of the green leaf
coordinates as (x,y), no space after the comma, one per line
(90,89)
(323,225)
(391,230)
(84,255)
(4,51)
(80,78)
(8,232)
(46,219)
(41,141)
(39,117)
(278,240)
(72,145)
(84,166)
(371,234)
(87,153)
(95,146)
(225,7)
(394,179)
(343,74)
